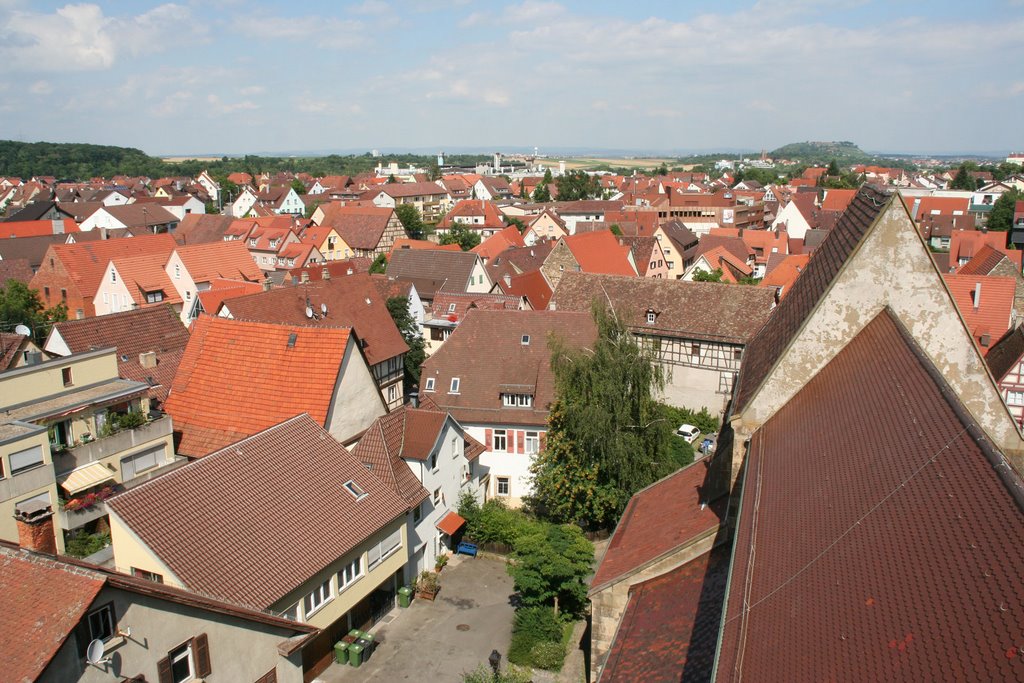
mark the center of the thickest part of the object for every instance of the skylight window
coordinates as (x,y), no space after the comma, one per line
(525,341)
(353,488)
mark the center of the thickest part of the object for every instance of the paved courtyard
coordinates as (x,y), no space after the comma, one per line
(438,641)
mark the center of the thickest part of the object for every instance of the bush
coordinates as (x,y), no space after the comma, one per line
(81,544)
(494,523)
(532,626)
(549,656)
(703,420)
(511,674)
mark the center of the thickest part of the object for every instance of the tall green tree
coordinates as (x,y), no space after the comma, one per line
(704,276)
(398,307)
(833,168)
(21,305)
(542,193)
(379,265)
(550,568)
(1001,216)
(615,431)
(963,180)
(298,186)
(576,185)
(411,220)
(459,234)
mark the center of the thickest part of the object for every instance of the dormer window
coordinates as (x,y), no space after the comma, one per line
(353,488)
(154,297)
(454,388)
(429,386)
(253,242)
(651,317)
(517,400)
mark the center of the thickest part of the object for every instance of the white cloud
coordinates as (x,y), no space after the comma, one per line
(41,88)
(218,106)
(372,7)
(79,37)
(326,33)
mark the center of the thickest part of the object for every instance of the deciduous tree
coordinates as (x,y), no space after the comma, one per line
(20,305)
(398,307)
(462,236)
(411,220)
(551,566)
(1001,216)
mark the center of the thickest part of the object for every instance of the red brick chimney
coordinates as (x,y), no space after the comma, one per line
(35,527)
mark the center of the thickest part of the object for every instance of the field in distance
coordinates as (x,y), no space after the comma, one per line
(589,164)
(178,160)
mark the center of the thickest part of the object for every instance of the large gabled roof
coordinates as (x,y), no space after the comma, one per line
(86,262)
(229,260)
(252,522)
(432,270)
(887,531)
(238,377)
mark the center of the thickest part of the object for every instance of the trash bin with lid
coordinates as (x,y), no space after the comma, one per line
(355,655)
(404,596)
(341,652)
(368,644)
(356,634)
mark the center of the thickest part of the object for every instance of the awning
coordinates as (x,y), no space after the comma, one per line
(86,477)
(450,523)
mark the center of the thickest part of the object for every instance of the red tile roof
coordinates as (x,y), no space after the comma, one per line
(352,301)
(966,243)
(600,252)
(145,274)
(239,377)
(531,284)
(457,304)
(35,228)
(227,260)
(669,629)
(227,528)
(666,515)
(986,304)
(499,242)
(983,262)
(42,603)
(450,523)
(887,544)
(488,211)
(222,290)
(785,274)
(837,200)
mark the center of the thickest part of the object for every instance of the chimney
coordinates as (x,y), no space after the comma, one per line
(35,527)
(267,284)
(148,359)
(325,274)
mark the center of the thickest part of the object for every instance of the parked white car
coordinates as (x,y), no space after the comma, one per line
(688,432)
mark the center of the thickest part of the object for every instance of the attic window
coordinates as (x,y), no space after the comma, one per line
(454,388)
(429,386)
(525,341)
(451,308)
(354,488)
(651,316)
(154,297)
(292,338)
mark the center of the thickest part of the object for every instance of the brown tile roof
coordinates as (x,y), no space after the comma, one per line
(669,629)
(226,260)
(1005,353)
(15,269)
(986,304)
(431,270)
(515,260)
(532,284)
(135,332)
(383,447)
(399,190)
(10,347)
(866,578)
(227,526)
(42,603)
(695,310)
(141,215)
(769,344)
(213,401)
(346,300)
(486,353)
(360,226)
(442,305)
(659,519)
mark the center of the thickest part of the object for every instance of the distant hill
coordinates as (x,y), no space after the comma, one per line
(823,152)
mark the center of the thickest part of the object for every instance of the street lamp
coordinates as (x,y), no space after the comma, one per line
(495,661)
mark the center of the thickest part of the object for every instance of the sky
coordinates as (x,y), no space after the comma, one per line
(247,76)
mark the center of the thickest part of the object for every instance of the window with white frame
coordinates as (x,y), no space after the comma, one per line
(349,573)
(433,461)
(1015,398)
(502,486)
(532,442)
(154,297)
(500,440)
(437,495)
(451,308)
(517,400)
(454,388)
(387,547)
(26,459)
(392,393)
(353,488)
(429,386)
(455,447)
(651,317)
(320,596)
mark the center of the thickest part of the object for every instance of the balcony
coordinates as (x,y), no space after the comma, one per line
(120,442)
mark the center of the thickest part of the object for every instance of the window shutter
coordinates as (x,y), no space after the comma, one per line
(488,437)
(163,671)
(520,438)
(202,652)
(543,439)
(510,442)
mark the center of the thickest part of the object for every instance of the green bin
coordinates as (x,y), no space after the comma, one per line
(355,655)
(341,652)
(356,634)
(404,596)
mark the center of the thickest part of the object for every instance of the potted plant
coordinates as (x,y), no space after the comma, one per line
(427,585)
(441,561)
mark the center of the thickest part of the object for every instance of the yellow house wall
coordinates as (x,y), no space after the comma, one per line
(46,379)
(130,551)
(25,485)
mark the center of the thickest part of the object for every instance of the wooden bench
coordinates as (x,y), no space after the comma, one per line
(466,548)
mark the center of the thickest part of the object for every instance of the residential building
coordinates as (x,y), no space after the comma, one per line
(332,556)
(280,199)
(17,350)
(239,377)
(433,271)
(137,282)
(146,218)
(480,215)
(696,330)
(430,459)
(430,199)
(449,308)
(588,252)
(74,432)
(494,376)
(367,231)
(352,301)
(1006,363)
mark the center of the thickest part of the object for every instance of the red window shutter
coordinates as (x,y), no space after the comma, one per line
(520,438)
(201,649)
(488,438)
(163,671)
(510,444)
(543,439)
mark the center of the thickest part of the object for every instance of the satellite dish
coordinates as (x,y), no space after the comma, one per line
(94,653)
(23,330)
(309,311)
(323,309)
